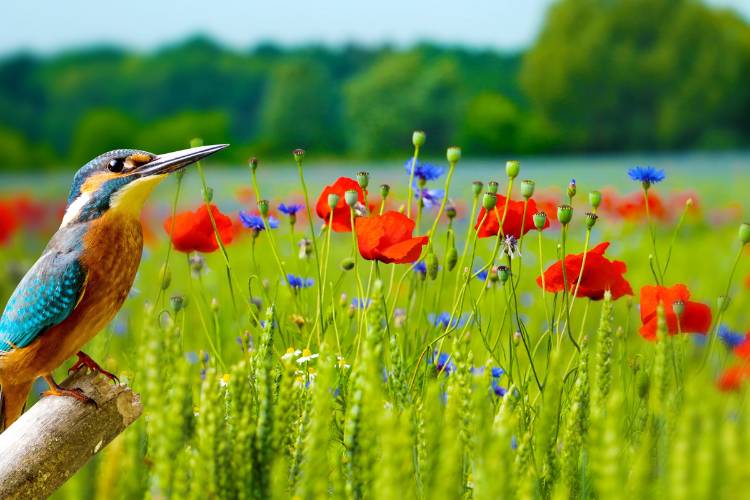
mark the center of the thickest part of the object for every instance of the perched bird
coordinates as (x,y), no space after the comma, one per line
(82,278)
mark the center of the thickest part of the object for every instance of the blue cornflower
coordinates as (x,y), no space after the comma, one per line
(255,222)
(421,268)
(443,363)
(298,282)
(482,275)
(497,372)
(424,171)
(499,390)
(441,320)
(646,175)
(430,197)
(730,338)
(290,209)
(361,303)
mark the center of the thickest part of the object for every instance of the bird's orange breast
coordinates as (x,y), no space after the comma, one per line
(111,254)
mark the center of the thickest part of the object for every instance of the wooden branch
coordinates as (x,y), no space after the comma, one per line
(59,434)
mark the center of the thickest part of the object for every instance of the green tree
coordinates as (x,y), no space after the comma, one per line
(397,94)
(175,132)
(491,125)
(300,108)
(100,131)
(619,74)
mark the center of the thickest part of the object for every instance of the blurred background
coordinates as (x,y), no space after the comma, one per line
(350,82)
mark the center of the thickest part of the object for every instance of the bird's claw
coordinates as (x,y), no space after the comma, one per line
(73,393)
(85,361)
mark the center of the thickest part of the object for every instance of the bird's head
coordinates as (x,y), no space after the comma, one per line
(122,179)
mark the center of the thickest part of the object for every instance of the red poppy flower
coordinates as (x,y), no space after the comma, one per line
(514,218)
(696,317)
(8,222)
(633,206)
(341,220)
(193,231)
(599,275)
(743,350)
(388,238)
(731,379)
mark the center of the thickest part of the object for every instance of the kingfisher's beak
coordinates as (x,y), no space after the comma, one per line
(172,162)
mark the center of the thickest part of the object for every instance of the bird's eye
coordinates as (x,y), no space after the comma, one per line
(116,165)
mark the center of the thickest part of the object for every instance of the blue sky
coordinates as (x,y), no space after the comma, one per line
(48,27)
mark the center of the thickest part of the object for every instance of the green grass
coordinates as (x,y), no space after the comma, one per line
(622,418)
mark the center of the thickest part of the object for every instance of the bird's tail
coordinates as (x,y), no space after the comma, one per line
(12,402)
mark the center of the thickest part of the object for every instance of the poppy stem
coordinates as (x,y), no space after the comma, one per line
(544,290)
(161,293)
(660,278)
(411,179)
(674,235)
(566,293)
(583,266)
(362,301)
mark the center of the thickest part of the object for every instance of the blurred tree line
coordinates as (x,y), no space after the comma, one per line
(603,75)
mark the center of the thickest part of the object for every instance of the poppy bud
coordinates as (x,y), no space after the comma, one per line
(451,258)
(298,154)
(517,338)
(450,211)
(351,197)
(333,200)
(564,214)
(527,188)
(595,199)
(342,300)
(476,187)
(418,138)
(208,194)
(453,154)
(591,219)
(165,275)
(572,189)
(723,303)
(678,306)
(253,162)
(540,220)
(492,187)
(177,302)
(385,189)
(744,233)
(492,275)
(512,168)
(432,265)
(503,273)
(363,178)
(489,201)
(347,264)
(263,207)
(215,304)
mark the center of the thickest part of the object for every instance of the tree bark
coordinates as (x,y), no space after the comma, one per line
(59,434)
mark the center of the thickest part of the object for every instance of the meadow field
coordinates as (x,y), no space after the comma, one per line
(288,360)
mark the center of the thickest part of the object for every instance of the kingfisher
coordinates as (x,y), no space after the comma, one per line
(84,274)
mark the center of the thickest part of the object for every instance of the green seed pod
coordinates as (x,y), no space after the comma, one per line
(298,154)
(492,187)
(512,168)
(453,154)
(432,265)
(744,233)
(489,201)
(385,189)
(418,138)
(540,220)
(351,197)
(493,276)
(564,214)
(476,187)
(450,211)
(363,178)
(263,207)
(215,304)
(253,162)
(595,199)
(451,258)
(347,264)
(503,273)
(678,306)
(591,219)
(207,194)
(177,302)
(723,303)
(527,188)
(333,200)
(165,277)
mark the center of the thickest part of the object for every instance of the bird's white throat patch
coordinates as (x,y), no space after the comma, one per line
(128,200)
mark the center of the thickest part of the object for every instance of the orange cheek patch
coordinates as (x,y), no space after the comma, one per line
(95,181)
(139,158)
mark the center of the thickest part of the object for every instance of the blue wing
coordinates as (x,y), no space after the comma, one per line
(44,298)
